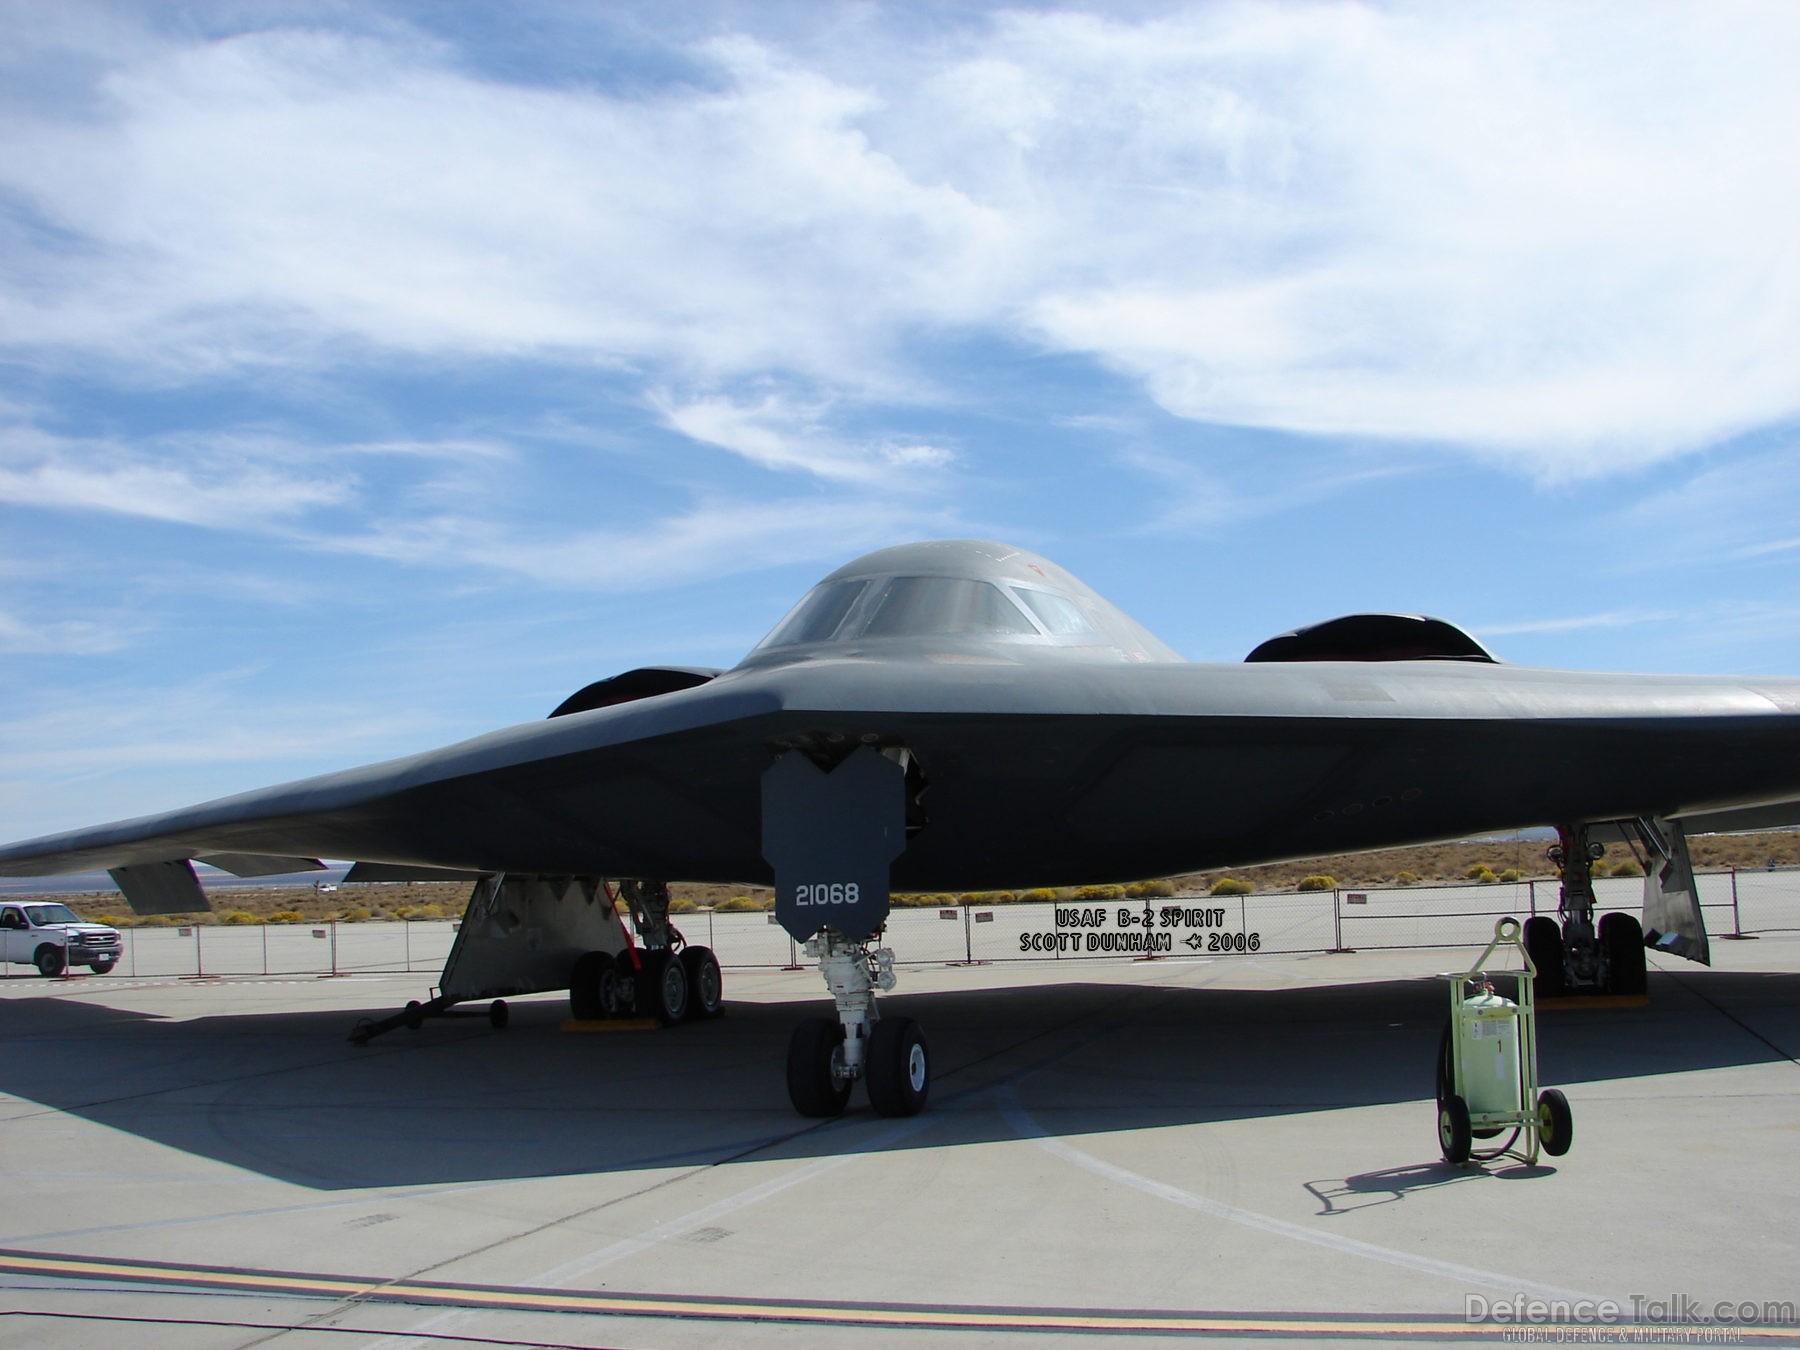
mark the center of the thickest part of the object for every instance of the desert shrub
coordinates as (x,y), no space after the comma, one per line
(1230,886)
(1317,882)
(1628,868)
(1512,874)
(117,920)
(1481,872)
(158,921)
(354,914)
(1161,888)
(1038,895)
(287,916)
(738,904)
(237,916)
(912,900)
(427,912)
(681,905)
(1100,893)
(1406,878)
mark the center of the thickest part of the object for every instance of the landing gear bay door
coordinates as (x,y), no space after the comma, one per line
(830,838)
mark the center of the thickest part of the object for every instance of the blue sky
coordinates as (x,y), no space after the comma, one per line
(375,375)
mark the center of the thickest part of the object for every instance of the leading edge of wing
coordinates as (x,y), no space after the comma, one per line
(223,824)
(300,815)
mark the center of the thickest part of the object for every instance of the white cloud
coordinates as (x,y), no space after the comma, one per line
(1558,236)
(1612,618)
(218,482)
(67,637)
(712,538)
(775,433)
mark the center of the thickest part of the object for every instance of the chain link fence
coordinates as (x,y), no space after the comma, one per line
(1736,903)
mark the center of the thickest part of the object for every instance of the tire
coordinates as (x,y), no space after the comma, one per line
(103,967)
(1543,939)
(1556,1123)
(584,986)
(1454,1136)
(898,1067)
(1622,943)
(415,1015)
(611,986)
(50,961)
(499,1015)
(815,1085)
(706,986)
(662,988)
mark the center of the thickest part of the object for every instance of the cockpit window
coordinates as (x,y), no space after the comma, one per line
(816,618)
(943,607)
(1058,613)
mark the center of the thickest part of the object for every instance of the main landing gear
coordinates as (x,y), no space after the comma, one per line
(660,976)
(1573,955)
(826,1055)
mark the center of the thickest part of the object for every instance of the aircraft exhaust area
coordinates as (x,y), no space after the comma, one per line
(1231,1148)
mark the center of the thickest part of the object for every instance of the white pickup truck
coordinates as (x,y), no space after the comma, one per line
(53,937)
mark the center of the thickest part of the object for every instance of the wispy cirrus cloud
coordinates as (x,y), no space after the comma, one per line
(775,433)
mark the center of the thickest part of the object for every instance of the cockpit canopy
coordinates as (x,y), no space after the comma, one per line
(953,599)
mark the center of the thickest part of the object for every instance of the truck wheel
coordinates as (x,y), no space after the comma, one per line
(102,967)
(49,961)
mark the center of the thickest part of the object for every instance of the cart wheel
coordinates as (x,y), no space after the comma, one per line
(1555,1124)
(1446,1079)
(1453,1129)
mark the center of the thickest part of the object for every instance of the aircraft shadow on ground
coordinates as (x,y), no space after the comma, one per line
(286,1096)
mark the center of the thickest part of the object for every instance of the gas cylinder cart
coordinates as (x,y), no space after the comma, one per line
(1487,1079)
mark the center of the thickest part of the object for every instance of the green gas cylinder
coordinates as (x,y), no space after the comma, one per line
(1489,1027)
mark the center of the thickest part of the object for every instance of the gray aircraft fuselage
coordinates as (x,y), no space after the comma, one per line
(1053,742)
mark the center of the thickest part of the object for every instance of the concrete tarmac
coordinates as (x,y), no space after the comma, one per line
(1240,1148)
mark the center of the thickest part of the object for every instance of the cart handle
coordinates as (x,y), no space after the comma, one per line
(1506,934)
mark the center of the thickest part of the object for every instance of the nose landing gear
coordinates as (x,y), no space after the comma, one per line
(827,1055)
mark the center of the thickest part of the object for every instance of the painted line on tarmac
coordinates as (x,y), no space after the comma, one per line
(1028,1128)
(674,1228)
(525,1299)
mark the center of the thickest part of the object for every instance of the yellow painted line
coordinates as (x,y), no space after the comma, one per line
(519,1299)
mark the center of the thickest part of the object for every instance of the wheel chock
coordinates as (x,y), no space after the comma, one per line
(1569,1002)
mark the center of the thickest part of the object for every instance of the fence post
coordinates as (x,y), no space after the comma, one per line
(264,925)
(1737,922)
(1531,884)
(199,964)
(968,942)
(1337,926)
(334,946)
